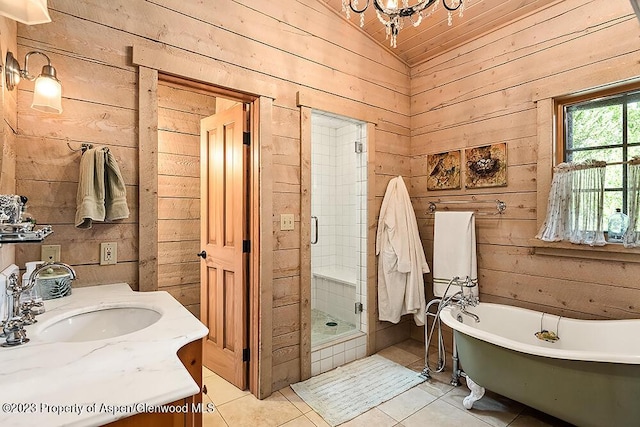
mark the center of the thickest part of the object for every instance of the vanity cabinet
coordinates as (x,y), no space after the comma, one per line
(191,357)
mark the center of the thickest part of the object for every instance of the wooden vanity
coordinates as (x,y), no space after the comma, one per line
(191,357)
(96,376)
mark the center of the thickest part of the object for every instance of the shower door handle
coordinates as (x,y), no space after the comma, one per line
(315,220)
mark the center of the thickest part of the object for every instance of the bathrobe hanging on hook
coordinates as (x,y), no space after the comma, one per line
(401,259)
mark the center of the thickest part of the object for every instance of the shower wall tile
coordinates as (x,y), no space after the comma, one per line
(349,355)
(315,368)
(342,215)
(361,351)
(326,365)
(326,352)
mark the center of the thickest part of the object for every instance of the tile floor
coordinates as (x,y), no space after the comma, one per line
(434,403)
(325,327)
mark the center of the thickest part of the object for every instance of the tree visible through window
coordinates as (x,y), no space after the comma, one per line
(604,128)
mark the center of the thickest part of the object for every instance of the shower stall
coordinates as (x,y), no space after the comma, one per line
(338,240)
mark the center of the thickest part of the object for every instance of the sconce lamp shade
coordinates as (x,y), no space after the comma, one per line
(636,7)
(47,94)
(26,11)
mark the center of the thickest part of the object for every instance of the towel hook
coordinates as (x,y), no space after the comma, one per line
(84,147)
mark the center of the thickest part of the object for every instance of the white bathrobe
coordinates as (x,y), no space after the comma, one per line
(401,259)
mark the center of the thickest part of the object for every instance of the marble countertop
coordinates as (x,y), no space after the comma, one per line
(96,382)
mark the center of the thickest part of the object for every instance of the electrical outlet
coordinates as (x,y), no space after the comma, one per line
(50,253)
(108,253)
(286,222)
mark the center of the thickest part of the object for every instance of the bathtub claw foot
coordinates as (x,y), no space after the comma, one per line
(476,394)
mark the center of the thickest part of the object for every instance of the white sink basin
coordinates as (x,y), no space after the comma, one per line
(100,324)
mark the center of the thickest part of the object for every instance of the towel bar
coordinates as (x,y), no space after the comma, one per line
(499,204)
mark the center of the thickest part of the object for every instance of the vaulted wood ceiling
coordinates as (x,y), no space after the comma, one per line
(433,36)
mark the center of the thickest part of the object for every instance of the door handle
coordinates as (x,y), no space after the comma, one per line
(202,254)
(315,219)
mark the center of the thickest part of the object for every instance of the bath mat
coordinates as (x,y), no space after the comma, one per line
(350,390)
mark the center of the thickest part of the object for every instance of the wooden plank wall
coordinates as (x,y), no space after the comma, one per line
(276,48)
(180,110)
(485,92)
(8,32)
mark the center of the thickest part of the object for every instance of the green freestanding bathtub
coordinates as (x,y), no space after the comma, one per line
(589,376)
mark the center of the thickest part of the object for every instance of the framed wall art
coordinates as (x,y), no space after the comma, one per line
(443,171)
(486,166)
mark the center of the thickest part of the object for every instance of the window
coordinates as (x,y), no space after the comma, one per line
(602,126)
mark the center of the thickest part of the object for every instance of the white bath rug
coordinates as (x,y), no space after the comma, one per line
(350,390)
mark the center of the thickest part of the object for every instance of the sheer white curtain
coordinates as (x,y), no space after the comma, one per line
(632,236)
(556,224)
(574,210)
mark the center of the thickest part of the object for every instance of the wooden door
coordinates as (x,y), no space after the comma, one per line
(223,272)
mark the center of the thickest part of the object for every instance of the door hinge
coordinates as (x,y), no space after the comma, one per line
(246,246)
(246,138)
(359,307)
(245,354)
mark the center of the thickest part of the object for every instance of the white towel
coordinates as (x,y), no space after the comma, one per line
(454,251)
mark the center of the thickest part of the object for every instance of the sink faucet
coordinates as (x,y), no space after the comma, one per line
(34,275)
(18,314)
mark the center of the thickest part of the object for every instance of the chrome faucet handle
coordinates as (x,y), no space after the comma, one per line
(13,285)
(15,333)
(26,309)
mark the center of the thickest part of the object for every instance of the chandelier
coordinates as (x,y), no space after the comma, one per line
(392,16)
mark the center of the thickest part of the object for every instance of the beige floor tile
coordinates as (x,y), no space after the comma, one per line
(531,418)
(407,403)
(220,391)
(295,399)
(398,355)
(442,414)
(493,408)
(212,419)
(417,366)
(206,372)
(438,385)
(249,411)
(301,421)
(371,418)
(316,419)
(412,346)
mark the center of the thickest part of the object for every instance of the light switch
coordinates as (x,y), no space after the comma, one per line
(286,222)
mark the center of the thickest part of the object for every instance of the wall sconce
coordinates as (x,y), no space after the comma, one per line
(47,90)
(26,11)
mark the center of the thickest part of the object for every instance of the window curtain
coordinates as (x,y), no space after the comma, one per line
(574,209)
(632,236)
(556,225)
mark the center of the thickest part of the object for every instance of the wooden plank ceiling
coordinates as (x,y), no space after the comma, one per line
(433,36)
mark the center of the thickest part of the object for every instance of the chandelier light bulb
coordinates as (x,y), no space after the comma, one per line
(392,15)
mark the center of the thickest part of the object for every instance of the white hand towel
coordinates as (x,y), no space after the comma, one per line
(454,251)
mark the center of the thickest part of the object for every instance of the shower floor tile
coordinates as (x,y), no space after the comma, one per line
(325,327)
